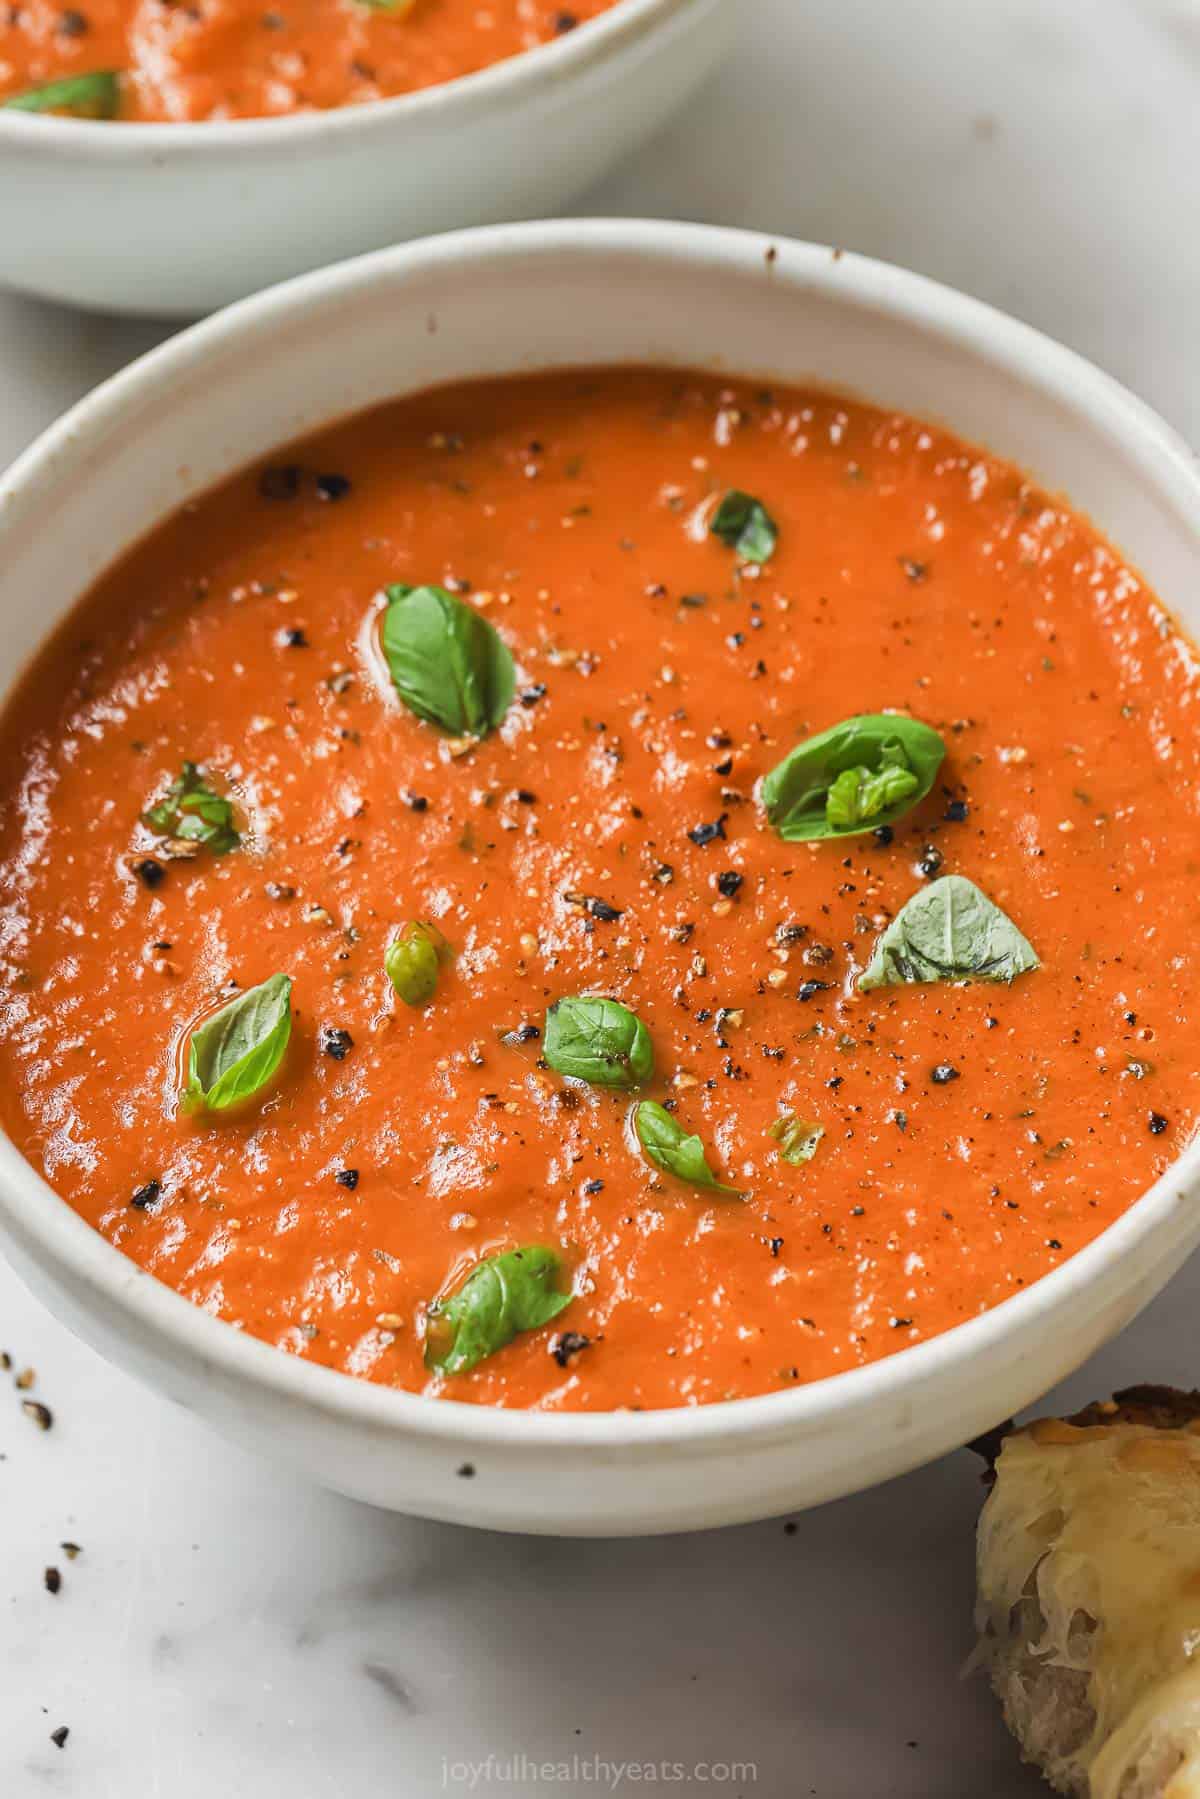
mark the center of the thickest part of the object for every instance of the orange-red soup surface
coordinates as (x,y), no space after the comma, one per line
(186,60)
(658,679)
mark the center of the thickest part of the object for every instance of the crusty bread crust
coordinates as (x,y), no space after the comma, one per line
(1161,1408)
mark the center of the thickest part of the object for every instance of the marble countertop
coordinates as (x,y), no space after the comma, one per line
(226,1630)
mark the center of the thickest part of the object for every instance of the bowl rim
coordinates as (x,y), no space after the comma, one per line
(53,1234)
(511,82)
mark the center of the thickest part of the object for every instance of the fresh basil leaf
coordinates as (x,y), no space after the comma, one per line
(598,1040)
(797,1138)
(95,96)
(859,798)
(746,526)
(670,1148)
(192,812)
(413,959)
(448,665)
(867,771)
(233,1054)
(949,931)
(516,1291)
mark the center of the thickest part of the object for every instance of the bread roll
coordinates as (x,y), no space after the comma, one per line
(1088,1609)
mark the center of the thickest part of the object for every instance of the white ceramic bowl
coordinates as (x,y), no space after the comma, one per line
(525,297)
(174,220)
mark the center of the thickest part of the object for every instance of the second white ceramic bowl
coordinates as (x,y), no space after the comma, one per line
(530,297)
(175,220)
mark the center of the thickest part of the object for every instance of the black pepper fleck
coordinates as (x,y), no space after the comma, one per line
(1158,1124)
(883,835)
(943,1074)
(336,1043)
(524,1033)
(146,1194)
(567,1345)
(332,487)
(59,1737)
(52,1580)
(728,882)
(701,835)
(956,812)
(150,873)
(347,1177)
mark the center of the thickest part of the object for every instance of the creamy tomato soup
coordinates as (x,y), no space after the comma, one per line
(234,59)
(637,1051)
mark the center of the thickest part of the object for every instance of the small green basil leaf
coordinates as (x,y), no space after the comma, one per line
(598,1040)
(797,1137)
(412,961)
(671,1149)
(192,812)
(746,526)
(867,771)
(949,931)
(448,665)
(859,798)
(516,1291)
(96,96)
(233,1054)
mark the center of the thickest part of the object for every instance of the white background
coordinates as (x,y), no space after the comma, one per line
(228,1631)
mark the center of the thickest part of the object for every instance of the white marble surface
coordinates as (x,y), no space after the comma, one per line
(229,1632)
